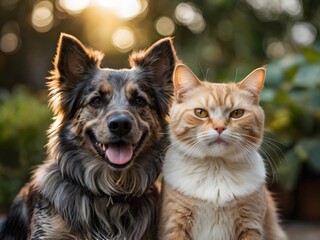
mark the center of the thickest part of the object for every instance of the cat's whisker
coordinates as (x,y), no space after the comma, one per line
(266,154)
(270,144)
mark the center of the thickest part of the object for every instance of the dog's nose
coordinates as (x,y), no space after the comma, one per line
(120,125)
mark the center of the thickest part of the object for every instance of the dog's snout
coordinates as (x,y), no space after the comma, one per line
(120,125)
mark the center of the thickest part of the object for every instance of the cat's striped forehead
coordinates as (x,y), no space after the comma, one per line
(219,95)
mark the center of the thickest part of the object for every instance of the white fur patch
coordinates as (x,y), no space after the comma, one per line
(214,179)
(213,223)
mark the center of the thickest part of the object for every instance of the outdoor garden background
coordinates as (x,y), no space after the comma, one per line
(221,40)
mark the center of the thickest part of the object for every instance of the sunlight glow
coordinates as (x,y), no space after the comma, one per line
(165,26)
(124,9)
(123,39)
(42,16)
(108,4)
(74,7)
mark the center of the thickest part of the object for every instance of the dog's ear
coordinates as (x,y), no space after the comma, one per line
(73,59)
(158,63)
(73,65)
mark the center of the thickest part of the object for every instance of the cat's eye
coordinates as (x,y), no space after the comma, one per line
(237,113)
(201,113)
(96,102)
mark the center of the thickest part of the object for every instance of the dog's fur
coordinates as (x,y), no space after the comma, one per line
(78,192)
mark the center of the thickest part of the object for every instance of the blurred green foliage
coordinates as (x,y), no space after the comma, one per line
(24,118)
(291,100)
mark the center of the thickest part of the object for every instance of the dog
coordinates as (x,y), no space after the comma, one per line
(104,148)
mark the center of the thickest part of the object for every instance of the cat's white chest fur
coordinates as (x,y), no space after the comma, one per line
(212,223)
(215,180)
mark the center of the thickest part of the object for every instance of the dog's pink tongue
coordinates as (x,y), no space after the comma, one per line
(119,154)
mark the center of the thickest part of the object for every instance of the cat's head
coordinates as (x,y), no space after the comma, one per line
(216,119)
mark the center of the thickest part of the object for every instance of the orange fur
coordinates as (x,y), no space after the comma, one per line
(214,178)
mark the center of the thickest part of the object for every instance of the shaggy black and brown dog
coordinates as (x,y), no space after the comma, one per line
(104,150)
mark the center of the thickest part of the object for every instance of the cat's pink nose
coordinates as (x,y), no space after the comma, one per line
(220,129)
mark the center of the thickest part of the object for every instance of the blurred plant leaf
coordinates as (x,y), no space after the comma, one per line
(309,150)
(308,76)
(276,70)
(24,118)
(289,171)
(311,54)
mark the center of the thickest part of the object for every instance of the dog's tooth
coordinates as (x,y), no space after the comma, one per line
(103,147)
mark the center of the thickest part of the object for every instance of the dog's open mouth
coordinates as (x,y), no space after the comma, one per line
(117,154)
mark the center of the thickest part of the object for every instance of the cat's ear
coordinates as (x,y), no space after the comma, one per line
(184,80)
(254,81)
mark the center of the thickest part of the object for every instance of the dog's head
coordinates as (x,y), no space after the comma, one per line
(109,127)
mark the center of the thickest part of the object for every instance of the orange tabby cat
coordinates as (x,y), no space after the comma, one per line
(214,178)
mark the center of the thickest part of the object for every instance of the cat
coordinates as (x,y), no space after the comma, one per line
(214,183)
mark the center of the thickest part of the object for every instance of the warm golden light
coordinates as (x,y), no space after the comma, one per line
(74,6)
(42,16)
(108,4)
(123,39)
(128,9)
(165,26)
(124,9)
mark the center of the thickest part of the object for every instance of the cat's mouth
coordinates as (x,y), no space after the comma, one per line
(218,142)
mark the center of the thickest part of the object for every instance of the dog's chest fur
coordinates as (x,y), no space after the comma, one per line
(46,223)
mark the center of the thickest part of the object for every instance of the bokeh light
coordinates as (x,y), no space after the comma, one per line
(165,26)
(190,16)
(292,7)
(124,9)
(275,48)
(303,33)
(9,42)
(272,9)
(123,39)
(184,13)
(74,7)
(42,16)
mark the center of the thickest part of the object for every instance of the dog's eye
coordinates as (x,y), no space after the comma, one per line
(140,101)
(96,102)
